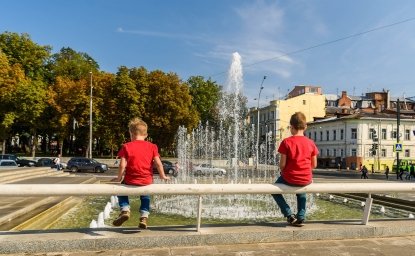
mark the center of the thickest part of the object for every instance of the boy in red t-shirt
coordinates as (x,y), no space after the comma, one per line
(136,161)
(298,157)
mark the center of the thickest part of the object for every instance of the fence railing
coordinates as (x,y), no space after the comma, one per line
(204,189)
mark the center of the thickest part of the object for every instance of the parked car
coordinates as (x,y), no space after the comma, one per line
(7,164)
(48,162)
(76,164)
(20,161)
(168,167)
(208,169)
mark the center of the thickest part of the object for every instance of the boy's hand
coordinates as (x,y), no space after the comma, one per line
(165,177)
(116,179)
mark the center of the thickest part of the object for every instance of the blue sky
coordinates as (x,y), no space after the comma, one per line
(195,37)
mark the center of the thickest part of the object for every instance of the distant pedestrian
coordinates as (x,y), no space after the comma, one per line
(387,172)
(401,170)
(407,173)
(412,171)
(364,173)
(57,162)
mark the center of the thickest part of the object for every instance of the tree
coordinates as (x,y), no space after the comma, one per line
(69,76)
(30,102)
(71,64)
(107,115)
(206,96)
(20,49)
(127,103)
(10,76)
(168,106)
(68,101)
(29,94)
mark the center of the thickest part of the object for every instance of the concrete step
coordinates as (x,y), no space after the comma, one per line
(28,213)
(22,173)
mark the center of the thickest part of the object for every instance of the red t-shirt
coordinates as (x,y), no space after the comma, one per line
(299,150)
(139,155)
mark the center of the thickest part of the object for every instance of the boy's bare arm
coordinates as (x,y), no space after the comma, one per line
(313,162)
(283,161)
(121,170)
(160,168)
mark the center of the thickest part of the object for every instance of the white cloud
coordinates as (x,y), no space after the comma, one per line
(159,34)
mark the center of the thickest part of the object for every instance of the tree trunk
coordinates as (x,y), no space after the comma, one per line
(34,144)
(3,147)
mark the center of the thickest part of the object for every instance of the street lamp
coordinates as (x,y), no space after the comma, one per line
(90,117)
(257,130)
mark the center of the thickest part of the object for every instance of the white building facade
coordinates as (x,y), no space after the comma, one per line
(367,139)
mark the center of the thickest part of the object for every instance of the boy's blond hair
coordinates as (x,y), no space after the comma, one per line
(137,127)
(298,121)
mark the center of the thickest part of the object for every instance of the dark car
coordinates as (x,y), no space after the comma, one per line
(168,167)
(77,164)
(45,162)
(20,161)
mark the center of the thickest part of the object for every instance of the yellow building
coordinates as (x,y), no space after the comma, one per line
(274,119)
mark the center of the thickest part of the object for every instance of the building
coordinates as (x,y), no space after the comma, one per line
(362,138)
(274,119)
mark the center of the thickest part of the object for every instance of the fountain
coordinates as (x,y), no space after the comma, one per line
(231,145)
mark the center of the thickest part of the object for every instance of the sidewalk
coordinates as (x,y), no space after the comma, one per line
(315,238)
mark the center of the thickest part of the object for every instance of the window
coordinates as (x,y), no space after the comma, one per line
(383,152)
(315,136)
(334,135)
(272,115)
(354,133)
(328,152)
(407,134)
(327,135)
(321,135)
(371,132)
(354,153)
(334,152)
(341,152)
(309,135)
(383,134)
(341,134)
(407,153)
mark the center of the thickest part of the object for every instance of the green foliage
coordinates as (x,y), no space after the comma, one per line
(206,95)
(71,64)
(168,106)
(49,95)
(20,49)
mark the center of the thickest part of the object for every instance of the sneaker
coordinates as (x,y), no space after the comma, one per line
(123,217)
(143,223)
(291,219)
(298,223)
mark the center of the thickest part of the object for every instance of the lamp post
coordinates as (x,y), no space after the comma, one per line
(257,130)
(90,117)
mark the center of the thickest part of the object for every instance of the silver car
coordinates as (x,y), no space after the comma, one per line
(208,169)
(8,164)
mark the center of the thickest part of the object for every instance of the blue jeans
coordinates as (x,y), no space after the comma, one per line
(285,208)
(124,203)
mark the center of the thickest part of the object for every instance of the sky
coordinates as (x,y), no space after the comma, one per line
(357,46)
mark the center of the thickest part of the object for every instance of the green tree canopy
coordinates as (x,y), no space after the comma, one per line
(206,95)
(20,49)
(168,106)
